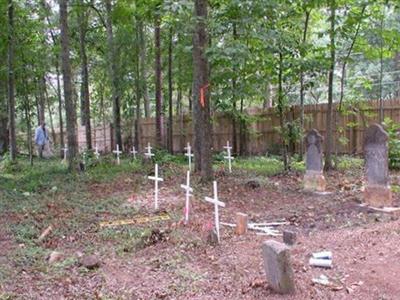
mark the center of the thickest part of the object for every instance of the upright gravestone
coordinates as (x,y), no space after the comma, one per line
(278,268)
(377,190)
(314,179)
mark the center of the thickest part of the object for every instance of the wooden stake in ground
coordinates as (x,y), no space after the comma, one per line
(189,154)
(156,180)
(117,152)
(65,149)
(188,190)
(216,203)
(148,154)
(229,157)
(133,152)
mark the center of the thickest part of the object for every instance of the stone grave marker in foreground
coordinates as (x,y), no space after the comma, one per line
(314,179)
(377,190)
(278,267)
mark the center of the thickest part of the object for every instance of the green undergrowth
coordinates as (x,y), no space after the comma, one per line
(347,162)
(268,166)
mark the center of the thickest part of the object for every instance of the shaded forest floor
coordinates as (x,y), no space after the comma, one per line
(168,260)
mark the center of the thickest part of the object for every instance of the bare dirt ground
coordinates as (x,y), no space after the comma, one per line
(176,262)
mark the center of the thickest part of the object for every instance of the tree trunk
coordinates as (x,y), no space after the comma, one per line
(201,107)
(381,111)
(242,131)
(113,73)
(68,92)
(53,132)
(170,92)
(234,109)
(301,150)
(85,97)
(27,111)
(137,85)
(281,112)
(60,108)
(41,100)
(3,118)
(329,125)
(143,69)
(57,65)
(158,85)
(10,81)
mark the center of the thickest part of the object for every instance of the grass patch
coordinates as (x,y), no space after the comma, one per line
(346,162)
(268,166)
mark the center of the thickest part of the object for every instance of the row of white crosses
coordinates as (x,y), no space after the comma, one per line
(96,152)
(188,193)
(117,152)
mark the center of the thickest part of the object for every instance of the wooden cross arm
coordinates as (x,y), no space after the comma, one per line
(185,187)
(154,178)
(214,201)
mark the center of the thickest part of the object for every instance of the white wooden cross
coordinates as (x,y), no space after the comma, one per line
(118,153)
(65,149)
(216,203)
(84,156)
(96,152)
(229,157)
(133,152)
(148,154)
(156,180)
(189,154)
(188,190)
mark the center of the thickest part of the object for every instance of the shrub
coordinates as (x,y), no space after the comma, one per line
(393,129)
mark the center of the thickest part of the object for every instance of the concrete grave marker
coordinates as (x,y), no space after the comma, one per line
(189,154)
(278,267)
(314,179)
(377,191)
(216,203)
(148,154)
(188,190)
(117,152)
(133,152)
(156,180)
(229,157)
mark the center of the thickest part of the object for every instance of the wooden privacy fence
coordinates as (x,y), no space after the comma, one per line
(262,135)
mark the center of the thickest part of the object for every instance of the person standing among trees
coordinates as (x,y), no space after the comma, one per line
(41,138)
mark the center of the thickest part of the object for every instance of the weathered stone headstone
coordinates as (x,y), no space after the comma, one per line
(278,267)
(241,223)
(314,179)
(377,191)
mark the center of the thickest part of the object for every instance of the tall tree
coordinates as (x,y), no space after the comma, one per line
(329,125)
(143,68)
(158,84)
(170,92)
(68,89)
(113,74)
(85,97)
(11,82)
(201,107)
(307,13)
